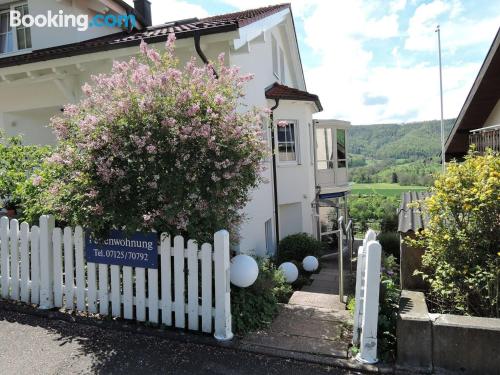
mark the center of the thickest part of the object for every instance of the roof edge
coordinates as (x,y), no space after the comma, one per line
(290,93)
(475,86)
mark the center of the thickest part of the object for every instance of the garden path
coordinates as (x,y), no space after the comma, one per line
(313,322)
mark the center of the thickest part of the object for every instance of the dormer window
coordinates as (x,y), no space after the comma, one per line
(13,38)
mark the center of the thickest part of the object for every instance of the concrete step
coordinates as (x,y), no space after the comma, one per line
(321,300)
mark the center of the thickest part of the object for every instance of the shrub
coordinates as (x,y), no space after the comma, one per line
(152,146)
(297,246)
(389,307)
(367,210)
(461,261)
(255,307)
(18,162)
(390,243)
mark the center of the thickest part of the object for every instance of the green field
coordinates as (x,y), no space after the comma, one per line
(384,189)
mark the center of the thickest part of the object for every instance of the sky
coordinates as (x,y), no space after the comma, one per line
(377,61)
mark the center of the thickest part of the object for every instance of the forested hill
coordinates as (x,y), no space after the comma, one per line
(415,140)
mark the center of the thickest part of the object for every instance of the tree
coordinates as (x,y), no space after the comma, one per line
(17,163)
(152,146)
(461,242)
(394,178)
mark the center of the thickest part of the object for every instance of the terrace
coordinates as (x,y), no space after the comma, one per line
(484,138)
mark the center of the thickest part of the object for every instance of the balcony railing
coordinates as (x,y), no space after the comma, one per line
(485,138)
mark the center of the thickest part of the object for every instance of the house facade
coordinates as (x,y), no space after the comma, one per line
(42,68)
(479,120)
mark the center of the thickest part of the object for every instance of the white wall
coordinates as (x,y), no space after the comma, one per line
(291,219)
(494,117)
(296,180)
(49,37)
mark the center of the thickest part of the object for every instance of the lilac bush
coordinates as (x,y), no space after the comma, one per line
(155,146)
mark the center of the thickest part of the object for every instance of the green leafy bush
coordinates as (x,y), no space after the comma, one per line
(18,163)
(461,241)
(375,211)
(297,246)
(388,309)
(390,243)
(255,307)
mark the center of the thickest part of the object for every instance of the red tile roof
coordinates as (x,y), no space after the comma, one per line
(278,91)
(246,17)
(154,34)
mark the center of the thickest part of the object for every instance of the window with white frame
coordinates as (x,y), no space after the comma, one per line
(341,149)
(282,66)
(287,141)
(13,38)
(274,46)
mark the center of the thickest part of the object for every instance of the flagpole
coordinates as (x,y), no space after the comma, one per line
(443,158)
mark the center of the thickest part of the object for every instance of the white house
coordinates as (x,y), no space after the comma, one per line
(42,68)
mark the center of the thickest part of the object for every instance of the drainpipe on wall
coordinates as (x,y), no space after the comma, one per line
(275,177)
(200,52)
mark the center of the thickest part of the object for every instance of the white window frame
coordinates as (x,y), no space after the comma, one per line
(311,143)
(275,56)
(337,148)
(282,66)
(295,141)
(15,50)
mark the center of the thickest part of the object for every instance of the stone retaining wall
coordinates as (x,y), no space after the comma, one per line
(435,342)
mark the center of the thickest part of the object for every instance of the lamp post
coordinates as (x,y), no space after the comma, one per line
(443,158)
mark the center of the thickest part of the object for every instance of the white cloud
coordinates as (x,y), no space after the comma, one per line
(457,28)
(345,74)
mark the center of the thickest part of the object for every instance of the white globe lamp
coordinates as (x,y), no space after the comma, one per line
(290,271)
(244,270)
(310,263)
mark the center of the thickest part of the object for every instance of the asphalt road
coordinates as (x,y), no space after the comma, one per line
(36,345)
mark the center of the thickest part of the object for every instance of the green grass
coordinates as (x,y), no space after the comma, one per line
(384,189)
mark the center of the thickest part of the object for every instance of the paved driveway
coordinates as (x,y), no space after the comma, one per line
(36,345)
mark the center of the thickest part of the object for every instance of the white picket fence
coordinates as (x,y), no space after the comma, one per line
(367,298)
(46,266)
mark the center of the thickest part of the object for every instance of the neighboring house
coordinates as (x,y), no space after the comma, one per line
(479,120)
(42,68)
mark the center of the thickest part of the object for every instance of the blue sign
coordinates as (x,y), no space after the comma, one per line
(138,250)
(332,195)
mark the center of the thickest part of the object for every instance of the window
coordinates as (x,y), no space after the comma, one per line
(13,38)
(268,227)
(311,143)
(6,42)
(274,46)
(282,66)
(287,144)
(324,142)
(341,155)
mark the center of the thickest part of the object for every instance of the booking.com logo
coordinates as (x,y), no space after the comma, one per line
(82,21)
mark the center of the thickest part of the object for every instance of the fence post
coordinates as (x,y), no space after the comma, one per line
(5,266)
(223,330)
(47,223)
(368,347)
(360,276)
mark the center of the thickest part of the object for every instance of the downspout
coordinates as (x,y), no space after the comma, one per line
(275,176)
(200,52)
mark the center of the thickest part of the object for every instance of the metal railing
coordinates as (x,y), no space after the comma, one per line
(344,231)
(485,138)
